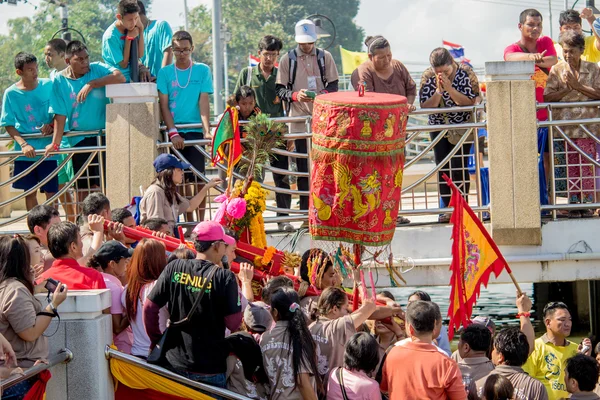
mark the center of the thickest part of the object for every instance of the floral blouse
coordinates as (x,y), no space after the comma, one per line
(465,81)
(589,75)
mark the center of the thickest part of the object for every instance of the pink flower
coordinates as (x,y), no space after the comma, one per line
(28,108)
(236,208)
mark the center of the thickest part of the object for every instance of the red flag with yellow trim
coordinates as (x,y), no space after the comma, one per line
(227,133)
(474,257)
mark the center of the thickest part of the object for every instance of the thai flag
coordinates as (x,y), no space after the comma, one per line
(457,52)
(253,60)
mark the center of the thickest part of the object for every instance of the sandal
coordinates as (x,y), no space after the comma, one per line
(402,221)
(574,214)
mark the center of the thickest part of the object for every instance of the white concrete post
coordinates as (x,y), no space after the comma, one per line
(85,331)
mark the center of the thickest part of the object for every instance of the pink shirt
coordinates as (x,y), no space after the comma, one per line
(124,339)
(358,386)
(540,77)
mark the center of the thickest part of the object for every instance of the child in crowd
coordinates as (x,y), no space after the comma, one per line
(289,352)
(34,245)
(146,265)
(245,371)
(497,387)
(316,269)
(352,382)
(112,259)
(333,327)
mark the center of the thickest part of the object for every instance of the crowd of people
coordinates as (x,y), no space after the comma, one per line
(288,345)
(278,343)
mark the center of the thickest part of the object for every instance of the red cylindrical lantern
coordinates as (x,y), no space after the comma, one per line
(358,165)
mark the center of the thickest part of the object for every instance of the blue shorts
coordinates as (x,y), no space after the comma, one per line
(35,176)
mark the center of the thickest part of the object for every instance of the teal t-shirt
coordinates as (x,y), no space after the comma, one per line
(87,116)
(184,88)
(157,39)
(27,111)
(113,44)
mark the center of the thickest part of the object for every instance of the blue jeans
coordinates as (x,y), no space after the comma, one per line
(218,380)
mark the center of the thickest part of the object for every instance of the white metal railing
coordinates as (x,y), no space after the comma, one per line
(69,191)
(570,165)
(420,192)
(64,356)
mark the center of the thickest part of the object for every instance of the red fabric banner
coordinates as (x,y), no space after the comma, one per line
(475,257)
(358,164)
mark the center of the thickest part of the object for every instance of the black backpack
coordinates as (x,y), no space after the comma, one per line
(294,67)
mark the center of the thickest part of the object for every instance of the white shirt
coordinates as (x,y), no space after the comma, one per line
(141,341)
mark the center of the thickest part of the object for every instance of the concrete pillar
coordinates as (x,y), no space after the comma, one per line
(132,123)
(84,330)
(513,156)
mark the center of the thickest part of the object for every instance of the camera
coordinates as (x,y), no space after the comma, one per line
(51,285)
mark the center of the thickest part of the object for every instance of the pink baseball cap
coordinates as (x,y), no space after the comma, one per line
(229,240)
(209,231)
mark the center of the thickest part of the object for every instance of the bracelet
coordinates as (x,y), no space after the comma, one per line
(55,147)
(173,132)
(524,314)
(129,38)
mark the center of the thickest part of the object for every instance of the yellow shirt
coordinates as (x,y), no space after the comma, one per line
(547,364)
(591,52)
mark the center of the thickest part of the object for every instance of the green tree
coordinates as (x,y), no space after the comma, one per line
(248,23)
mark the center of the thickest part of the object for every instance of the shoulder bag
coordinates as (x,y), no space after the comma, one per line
(158,355)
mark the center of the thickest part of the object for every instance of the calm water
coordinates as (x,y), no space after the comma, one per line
(497,301)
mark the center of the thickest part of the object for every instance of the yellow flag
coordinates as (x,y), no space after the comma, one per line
(351,60)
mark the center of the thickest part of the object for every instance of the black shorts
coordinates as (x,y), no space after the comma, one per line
(193,155)
(35,176)
(93,171)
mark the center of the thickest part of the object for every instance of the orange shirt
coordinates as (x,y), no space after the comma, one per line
(419,371)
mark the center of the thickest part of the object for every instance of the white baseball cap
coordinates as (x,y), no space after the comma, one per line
(306,31)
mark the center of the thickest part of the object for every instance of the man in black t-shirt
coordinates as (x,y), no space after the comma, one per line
(197,349)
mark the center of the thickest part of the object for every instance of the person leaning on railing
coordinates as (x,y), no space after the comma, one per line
(161,199)
(448,84)
(23,319)
(575,80)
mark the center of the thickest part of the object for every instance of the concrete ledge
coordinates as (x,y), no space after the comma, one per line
(82,304)
(133,93)
(509,70)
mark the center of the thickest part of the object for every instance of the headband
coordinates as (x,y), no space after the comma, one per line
(375,41)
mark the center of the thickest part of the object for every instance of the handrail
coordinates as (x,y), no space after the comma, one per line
(66,134)
(63,356)
(138,362)
(592,103)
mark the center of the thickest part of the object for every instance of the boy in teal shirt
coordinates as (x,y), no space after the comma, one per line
(157,38)
(79,104)
(183,89)
(25,112)
(117,39)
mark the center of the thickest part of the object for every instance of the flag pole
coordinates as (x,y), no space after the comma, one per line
(512,277)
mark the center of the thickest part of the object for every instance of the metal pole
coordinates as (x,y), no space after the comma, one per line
(566,4)
(185,14)
(225,68)
(217,49)
(550,19)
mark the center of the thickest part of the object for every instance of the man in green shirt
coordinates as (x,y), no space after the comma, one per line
(262,79)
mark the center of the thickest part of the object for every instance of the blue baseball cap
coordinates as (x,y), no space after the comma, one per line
(165,161)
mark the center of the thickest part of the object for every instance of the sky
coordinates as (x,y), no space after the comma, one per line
(414,28)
